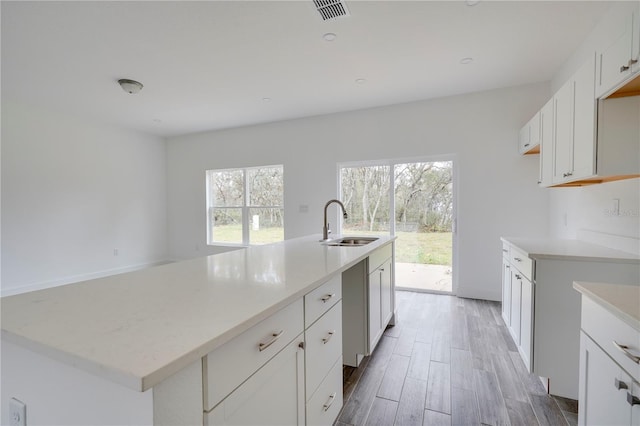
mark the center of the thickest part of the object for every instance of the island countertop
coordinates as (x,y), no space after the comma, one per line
(138,328)
(623,301)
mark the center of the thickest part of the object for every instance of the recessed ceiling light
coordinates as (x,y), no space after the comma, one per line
(266,99)
(329,36)
(466,61)
(361,81)
(157,120)
(472,2)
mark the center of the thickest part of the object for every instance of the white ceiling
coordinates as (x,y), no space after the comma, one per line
(208,65)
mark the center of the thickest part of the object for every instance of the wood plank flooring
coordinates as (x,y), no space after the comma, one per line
(448,361)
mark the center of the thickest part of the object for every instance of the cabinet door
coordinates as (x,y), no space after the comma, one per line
(375,323)
(635,408)
(274,395)
(524,138)
(526,323)
(546,144)
(516,300)
(386,298)
(601,402)
(563,129)
(584,119)
(506,292)
(635,45)
(613,61)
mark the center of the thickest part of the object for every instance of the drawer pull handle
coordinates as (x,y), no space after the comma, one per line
(567,174)
(326,298)
(625,350)
(274,337)
(526,144)
(517,259)
(624,68)
(505,250)
(632,400)
(620,384)
(325,340)
(329,402)
(518,276)
(632,62)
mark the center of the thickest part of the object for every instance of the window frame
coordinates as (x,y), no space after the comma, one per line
(245,208)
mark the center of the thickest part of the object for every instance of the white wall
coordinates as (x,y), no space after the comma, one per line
(498,194)
(72,192)
(589,207)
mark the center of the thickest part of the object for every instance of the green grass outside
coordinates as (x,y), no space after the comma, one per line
(433,248)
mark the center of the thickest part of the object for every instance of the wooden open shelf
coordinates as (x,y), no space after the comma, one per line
(632,88)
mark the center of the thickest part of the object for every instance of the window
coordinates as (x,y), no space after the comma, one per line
(245,206)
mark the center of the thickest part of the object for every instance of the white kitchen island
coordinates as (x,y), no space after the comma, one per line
(131,348)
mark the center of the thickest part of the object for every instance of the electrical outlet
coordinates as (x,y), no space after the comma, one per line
(615,207)
(17,413)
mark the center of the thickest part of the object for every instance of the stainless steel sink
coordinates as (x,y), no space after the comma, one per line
(350,241)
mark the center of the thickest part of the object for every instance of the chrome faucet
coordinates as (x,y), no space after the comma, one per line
(325,229)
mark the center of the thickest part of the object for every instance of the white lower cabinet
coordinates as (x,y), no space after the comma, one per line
(375,323)
(274,395)
(603,387)
(274,374)
(517,301)
(324,405)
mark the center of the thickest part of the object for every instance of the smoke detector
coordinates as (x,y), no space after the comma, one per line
(331,9)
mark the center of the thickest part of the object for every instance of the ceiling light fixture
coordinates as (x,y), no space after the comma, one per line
(130,86)
(329,36)
(472,2)
(266,99)
(465,61)
(361,81)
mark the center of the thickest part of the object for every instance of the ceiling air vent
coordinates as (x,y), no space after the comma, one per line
(331,9)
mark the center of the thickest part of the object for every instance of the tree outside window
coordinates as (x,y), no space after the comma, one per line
(245,206)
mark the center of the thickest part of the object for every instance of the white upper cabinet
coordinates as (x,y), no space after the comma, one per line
(575,126)
(529,138)
(546,144)
(617,62)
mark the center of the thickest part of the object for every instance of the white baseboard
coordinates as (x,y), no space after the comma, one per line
(76,278)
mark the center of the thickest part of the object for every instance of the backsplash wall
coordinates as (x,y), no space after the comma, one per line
(592,208)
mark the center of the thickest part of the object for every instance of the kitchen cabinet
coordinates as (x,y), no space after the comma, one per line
(575,123)
(617,61)
(258,382)
(546,144)
(604,387)
(609,389)
(272,396)
(545,310)
(529,137)
(506,286)
(517,296)
(369,290)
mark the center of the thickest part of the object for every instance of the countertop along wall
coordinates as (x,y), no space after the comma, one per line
(72,192)
(497,190)
(590,207)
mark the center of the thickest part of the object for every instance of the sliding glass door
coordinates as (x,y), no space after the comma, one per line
(419,211)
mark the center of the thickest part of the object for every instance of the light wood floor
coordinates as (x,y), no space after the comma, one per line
(448,361)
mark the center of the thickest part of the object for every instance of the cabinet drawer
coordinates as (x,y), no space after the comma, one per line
(272,396)
(605,328)
(378,257)
(322,299)
(324,406)
(229,365)
(323,342)
(521,261)
(505,250)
